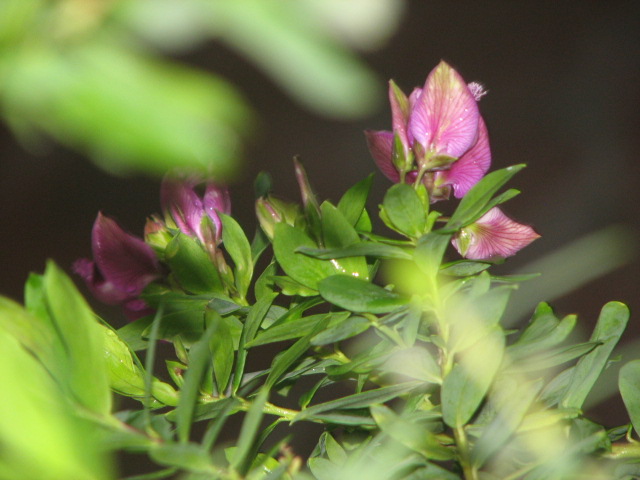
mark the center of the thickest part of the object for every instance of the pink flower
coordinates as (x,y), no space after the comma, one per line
(493,235)
(438,130)
(123,265)
(186,207)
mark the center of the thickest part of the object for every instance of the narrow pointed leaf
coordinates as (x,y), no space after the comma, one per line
(611,324)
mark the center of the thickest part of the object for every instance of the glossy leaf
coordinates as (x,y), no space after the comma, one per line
(303,269)
(358,295)
(337,232)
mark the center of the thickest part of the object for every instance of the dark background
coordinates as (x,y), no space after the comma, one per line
(564,97)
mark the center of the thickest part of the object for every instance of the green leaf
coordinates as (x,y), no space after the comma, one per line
(551,357)
(429,252)
(353,202)
(296,328)
(629,384)
(237,246)
(241,459)
(337,232)
(348,328)
(187,456)
(191,265)
(287,358)
(264,285)
(303,269)
(611,324)
(359,295)
(373,249)
(474,204)
(411,434)
(468,382)
(415,362)
(251,325)
(75,323)
(510,413)
(222,350)
(405,210)
(464,268)
(199,357)
(359,400)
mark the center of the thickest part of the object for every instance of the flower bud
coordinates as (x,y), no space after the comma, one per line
(271,211)
(156,234)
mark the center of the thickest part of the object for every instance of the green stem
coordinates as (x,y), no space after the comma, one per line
(469,470)
(390,333)
(624,450)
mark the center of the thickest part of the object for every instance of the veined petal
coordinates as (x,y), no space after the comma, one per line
(124,262)
(445,116)
(381,147)
(471,167)
(493,235)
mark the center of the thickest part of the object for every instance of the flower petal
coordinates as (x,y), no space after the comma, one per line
(124,262)
(471,167)
(445,116)
(399,114)
(493,235)
(216,199)
(179,200)
(381,147)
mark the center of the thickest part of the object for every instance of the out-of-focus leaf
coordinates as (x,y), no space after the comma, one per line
(466,385)
(282,39)
(127,111)
(40,435)
(85,369)
(611,324)
(412,435)
(629,384)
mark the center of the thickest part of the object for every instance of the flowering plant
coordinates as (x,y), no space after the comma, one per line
(392,345)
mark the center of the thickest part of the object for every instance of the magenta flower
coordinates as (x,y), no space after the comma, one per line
(438,134)
(187,208)
(123,265)
(493,235)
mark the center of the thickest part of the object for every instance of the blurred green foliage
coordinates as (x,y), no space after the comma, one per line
(95,76)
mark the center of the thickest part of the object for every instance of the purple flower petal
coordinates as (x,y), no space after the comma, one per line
(216,199)
(471,167)
(179,199)
(493,235)
(445,117)
(381,147)
(123,264)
